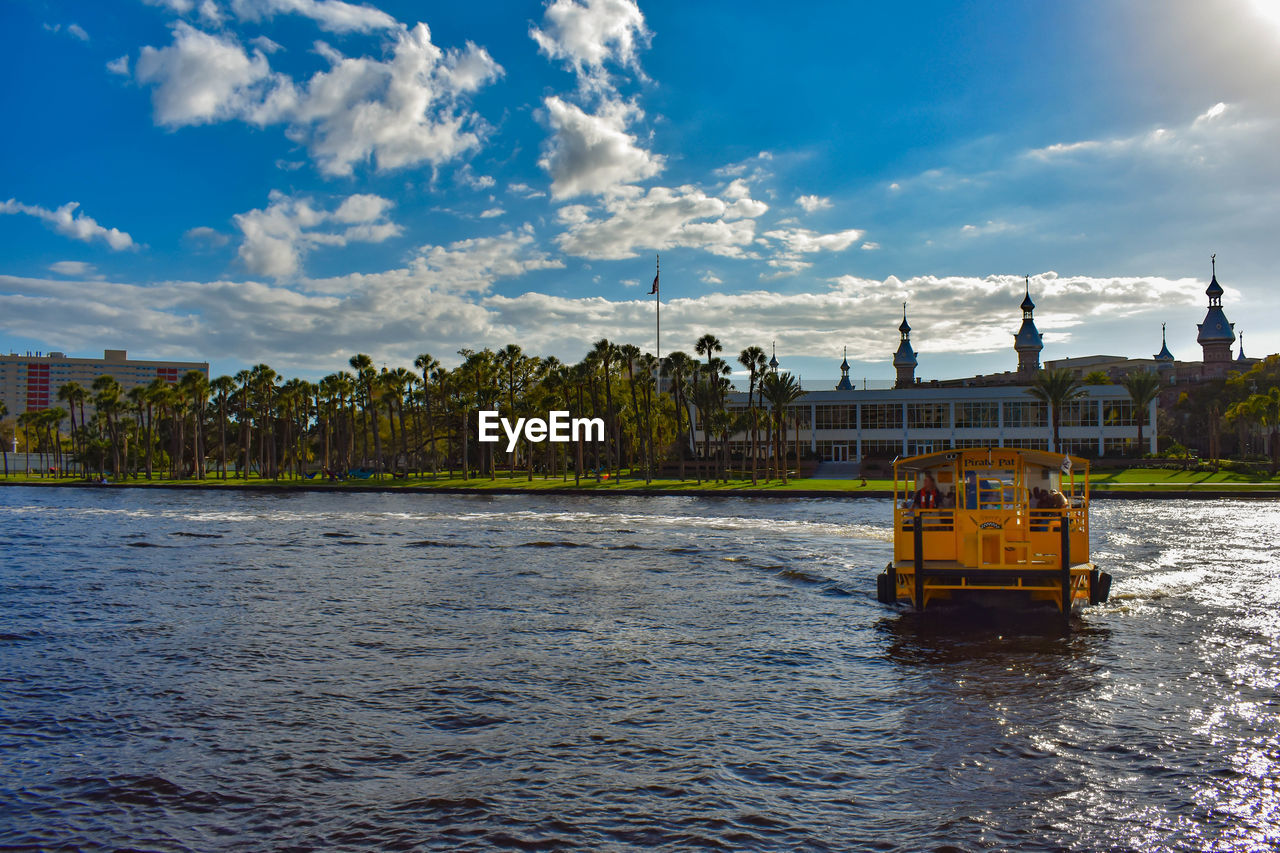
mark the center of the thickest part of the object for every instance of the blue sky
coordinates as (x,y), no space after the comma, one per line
(293,181)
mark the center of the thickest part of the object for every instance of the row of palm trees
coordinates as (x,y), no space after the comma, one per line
(420,422)
(372,423)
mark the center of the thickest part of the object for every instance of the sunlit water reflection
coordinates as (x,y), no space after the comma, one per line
(209,671)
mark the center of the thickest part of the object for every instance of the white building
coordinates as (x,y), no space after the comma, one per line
(844,426)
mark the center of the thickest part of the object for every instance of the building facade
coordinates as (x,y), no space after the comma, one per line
(30,382)
(848,426)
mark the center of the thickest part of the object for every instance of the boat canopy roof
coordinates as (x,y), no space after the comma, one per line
(1024,456)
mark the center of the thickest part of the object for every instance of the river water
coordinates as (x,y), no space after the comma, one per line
(201,671)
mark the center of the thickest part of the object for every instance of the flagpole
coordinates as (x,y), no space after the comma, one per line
(657,304)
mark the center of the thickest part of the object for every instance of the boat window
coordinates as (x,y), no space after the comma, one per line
(992,489)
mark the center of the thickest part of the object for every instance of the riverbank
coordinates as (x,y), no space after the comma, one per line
(1131,482)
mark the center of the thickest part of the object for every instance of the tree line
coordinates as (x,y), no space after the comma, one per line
(420,422)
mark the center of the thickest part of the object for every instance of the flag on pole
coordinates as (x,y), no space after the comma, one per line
(655,285)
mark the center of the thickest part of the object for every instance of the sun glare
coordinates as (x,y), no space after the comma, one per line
(1269,11)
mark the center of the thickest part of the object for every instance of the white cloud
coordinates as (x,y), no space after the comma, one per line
(397,112)
(276,239)
(591,154)
(77,269)
(180,7)
(870,246)
(119,66)
(207,237)
(525,191)
(266,45)
(658,219)
(989,227)
(589,34)
(709,277)
(66,221)
(1189,143)
(201,78)
(443,300)
(492,213)
(331,15)
(810,203)
(806,241)
(78,31)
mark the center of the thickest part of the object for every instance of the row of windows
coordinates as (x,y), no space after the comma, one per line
(968,415)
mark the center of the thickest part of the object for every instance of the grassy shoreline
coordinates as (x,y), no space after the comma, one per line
(1130,482)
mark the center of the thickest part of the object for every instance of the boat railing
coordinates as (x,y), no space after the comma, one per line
(931,520)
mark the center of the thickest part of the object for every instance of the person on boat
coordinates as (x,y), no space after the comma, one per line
(1054,500)
(927,496)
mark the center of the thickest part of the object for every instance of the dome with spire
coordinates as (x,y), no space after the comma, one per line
(845,384)
(1164,354)
(1241,356)
(906,355)
(1216,329)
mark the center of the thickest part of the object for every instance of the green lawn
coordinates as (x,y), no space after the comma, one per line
(1165,479)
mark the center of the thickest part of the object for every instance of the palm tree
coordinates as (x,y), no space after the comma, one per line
(4,448)
(678,367)
(107,400)
(222,387)
(1143,387)
(196,387)
(366,381)
(426,366)
(781,390)
(755,361)
(629,355)
(604,353)
(244,379)
(1268,405)
(1056,388)
(72,393)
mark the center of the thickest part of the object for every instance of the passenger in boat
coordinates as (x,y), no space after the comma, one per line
(948,499)
(927,496)
(1054,500)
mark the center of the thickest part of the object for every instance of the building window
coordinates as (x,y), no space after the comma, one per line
(1082,413)
(1087,447)
(882,416)
(1020,414)
(881,449)
(1117,446)
(799,417)
(1118,413)
(928,415)
(834,417)
(1027,443)
(977,416)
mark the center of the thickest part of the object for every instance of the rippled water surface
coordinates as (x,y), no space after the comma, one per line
(197,671)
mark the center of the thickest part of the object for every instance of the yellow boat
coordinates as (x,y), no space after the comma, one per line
(995,526)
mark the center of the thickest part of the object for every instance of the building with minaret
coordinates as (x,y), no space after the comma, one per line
(1028,342)
(845,384)
(1217,334)
(904,360)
